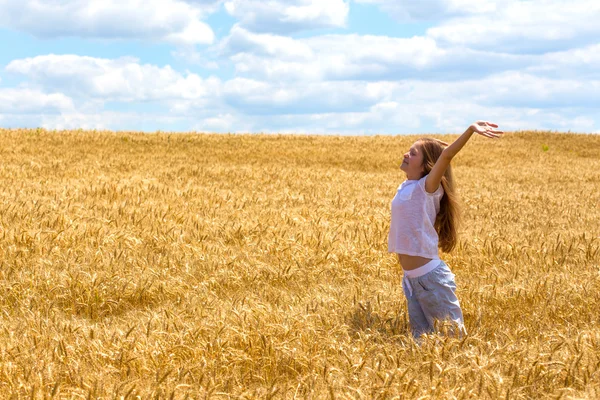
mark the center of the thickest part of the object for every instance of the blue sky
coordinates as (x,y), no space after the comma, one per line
(353,67)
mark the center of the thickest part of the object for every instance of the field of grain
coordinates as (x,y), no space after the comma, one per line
(254,266)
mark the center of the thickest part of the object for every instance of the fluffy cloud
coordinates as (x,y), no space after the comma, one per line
(508,64)
(31,101)
(81,88)
(433,100)
(241,40)
(535,26)
(410,10)
(259,97)
(517,100)
(399,118)
(219,123)
(506,89)
(171,21)
(122,79)
(578,63)
(352,56)
(523,99)
(288,16)
(525,26)
(367,57)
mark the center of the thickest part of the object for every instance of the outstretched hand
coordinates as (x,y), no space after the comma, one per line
(486,129)
(434,177)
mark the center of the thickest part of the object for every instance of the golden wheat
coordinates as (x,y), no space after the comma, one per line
(253,266)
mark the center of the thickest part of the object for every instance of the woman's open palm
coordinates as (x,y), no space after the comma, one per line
(486,129)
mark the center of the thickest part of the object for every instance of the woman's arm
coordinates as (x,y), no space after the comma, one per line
(432,182)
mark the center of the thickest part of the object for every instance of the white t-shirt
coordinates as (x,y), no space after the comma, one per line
(414,212)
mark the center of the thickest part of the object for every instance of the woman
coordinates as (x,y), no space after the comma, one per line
(425,217)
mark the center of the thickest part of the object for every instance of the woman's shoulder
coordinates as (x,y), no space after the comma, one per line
(406,182)
(438,192)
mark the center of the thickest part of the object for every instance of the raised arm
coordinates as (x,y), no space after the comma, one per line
(487,129)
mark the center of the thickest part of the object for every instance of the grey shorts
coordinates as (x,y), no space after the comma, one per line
(432,303)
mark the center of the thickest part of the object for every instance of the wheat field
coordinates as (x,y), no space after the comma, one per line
(172,266)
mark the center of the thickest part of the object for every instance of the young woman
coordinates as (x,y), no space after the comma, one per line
(425,217)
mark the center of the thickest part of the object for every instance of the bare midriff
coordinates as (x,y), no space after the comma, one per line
(412,262)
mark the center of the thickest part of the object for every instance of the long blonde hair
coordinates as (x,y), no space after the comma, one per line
(447,220)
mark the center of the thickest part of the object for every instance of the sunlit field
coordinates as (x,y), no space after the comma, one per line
(255,266)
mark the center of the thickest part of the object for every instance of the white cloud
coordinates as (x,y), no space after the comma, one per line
(410,10)
(515,99)
(288,16)
(108,120)
(218,123)
(259,97)
(507,89)
(525,26)
(402,118)
(191,56)
(367,57)
(241,40)
(75,120)
(409,108)
(533,26)
(350,84)
(410,102)
(353,56)
(113,80)
(578,63)
(31,101)
(171,21)
(83,86)
(242,104)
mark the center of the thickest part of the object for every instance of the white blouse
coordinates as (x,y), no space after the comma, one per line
(414,211)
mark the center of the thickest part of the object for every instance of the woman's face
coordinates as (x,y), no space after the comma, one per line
(412,163)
